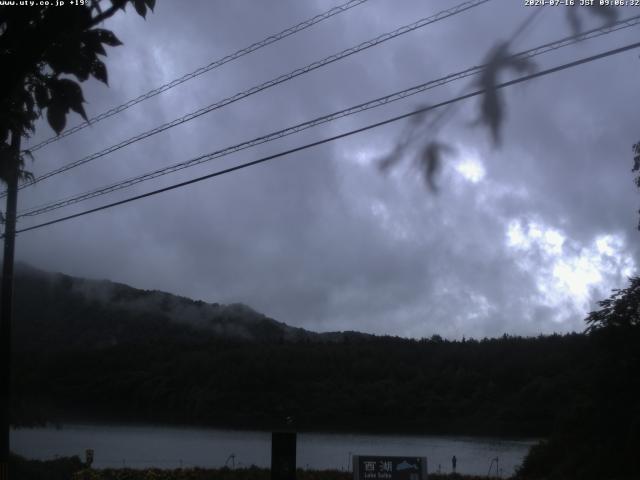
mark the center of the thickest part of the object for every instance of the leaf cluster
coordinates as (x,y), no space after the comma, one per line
(620,310)
(491,108)
(427,160)
(45,54)
(499,61)
(608,13)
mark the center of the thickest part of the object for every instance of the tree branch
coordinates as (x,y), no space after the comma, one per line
(108,13)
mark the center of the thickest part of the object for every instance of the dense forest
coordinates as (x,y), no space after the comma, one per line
(91,350)
(508,386)
(102,351)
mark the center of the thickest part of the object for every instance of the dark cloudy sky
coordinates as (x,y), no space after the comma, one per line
(521,239)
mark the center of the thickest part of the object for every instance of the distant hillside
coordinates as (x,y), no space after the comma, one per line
(56,312)
(89,349)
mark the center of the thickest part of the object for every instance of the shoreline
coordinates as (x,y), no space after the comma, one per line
(74,469)
(61,424)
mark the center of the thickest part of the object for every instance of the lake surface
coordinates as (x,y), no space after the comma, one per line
(172,447)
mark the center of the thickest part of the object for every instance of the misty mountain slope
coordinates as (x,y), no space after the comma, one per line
(87,349)
(55,311)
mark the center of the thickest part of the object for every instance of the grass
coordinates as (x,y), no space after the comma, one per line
(73,469)
(228,474)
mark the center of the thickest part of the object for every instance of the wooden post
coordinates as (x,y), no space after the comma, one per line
(283,456)
(6,299)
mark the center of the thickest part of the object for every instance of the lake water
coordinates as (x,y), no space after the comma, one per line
(172,447)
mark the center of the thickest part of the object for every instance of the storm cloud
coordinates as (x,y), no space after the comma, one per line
(521,238)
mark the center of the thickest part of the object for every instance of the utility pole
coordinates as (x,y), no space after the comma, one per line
(6,299)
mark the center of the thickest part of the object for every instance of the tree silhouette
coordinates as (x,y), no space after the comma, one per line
(608,420)
(38,47)
(620,310)
(45,53)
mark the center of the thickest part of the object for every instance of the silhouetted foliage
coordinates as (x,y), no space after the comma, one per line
(252,473)
(431,159)
(500,59)
(608,13)
(60,469)
(621,310)
(409,135)
(39,49)
(600,439)
(492,110)
(73,469)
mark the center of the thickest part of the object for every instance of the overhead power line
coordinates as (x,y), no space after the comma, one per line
(522,28)
(204,69)
(551,46)
(522,79)
(271,83)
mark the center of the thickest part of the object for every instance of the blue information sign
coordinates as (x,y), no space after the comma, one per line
(370,467)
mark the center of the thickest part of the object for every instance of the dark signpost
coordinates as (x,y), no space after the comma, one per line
(283,456)
(369,467)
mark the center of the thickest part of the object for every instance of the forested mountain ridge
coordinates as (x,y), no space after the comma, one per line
(98,350)
(54,311)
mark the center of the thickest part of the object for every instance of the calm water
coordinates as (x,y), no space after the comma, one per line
(171,447)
